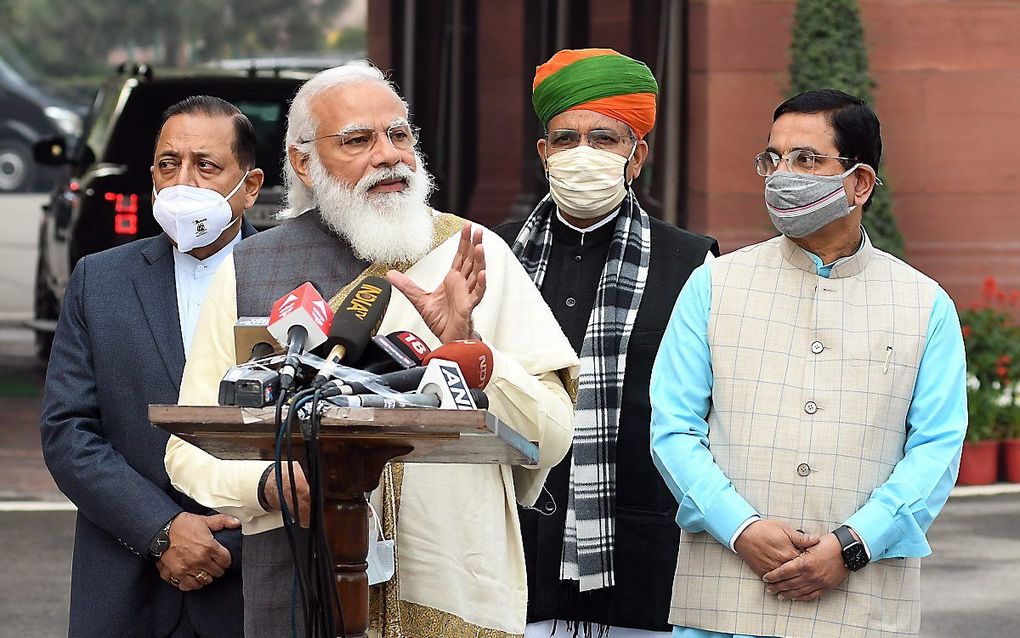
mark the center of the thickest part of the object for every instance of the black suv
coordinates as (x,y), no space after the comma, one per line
(106,201)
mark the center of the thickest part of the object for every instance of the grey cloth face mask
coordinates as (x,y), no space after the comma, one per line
(800,203)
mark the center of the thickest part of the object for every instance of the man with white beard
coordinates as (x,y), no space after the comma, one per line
(358,192)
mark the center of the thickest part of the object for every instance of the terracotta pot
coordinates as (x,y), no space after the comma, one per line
(980,463)
(1011,459)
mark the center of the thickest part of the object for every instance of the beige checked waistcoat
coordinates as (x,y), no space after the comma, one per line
(813,378)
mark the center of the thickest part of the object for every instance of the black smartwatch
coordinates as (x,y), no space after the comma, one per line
(855,557)
(161,542)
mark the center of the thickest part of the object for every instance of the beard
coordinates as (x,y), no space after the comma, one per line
(387,227)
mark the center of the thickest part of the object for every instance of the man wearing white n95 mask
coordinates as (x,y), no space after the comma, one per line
(357,190)
(121,343)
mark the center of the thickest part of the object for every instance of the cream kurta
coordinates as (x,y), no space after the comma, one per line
(458,536)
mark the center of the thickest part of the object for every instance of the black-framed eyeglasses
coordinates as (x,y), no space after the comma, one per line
(798,161)
(356,141)
(562,139)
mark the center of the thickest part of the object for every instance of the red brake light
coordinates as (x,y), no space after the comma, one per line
(125,221)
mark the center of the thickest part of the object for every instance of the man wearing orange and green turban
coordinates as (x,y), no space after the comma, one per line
(601,542)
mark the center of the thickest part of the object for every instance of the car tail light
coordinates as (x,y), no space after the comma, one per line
(125,219)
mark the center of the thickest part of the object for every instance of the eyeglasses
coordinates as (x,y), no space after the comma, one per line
(562,139)
(798,161)
(355,141)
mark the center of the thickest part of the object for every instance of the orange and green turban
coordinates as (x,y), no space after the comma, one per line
(600,80)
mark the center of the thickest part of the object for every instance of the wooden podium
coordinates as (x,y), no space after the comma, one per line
(354,446)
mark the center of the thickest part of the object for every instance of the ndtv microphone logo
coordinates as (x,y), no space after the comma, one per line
(363,299)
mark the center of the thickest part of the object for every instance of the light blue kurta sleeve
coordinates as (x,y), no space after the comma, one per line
(681,391)
(894,519)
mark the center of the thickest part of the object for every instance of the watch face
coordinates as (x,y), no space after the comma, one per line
(159,545)
(855,557)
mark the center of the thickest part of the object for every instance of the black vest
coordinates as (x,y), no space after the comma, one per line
(647,536)
(270,264)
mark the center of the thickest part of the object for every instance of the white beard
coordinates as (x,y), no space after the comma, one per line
(385,228)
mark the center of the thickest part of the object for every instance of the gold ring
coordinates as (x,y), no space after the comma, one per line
(203,577)
(175,581)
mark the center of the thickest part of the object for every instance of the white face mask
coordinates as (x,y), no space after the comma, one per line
(193,217)
(585,182)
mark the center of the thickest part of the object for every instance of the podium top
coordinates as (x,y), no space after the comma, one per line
(436,436)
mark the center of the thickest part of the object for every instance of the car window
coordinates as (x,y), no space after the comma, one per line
(264,102)
(100,118)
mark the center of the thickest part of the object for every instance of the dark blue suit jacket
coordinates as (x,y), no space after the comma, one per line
(118,349)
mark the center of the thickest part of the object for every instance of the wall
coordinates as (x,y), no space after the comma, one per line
(948,96)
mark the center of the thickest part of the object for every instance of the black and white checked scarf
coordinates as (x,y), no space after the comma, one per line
(590,530)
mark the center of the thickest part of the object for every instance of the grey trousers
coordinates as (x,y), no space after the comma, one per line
(268,585)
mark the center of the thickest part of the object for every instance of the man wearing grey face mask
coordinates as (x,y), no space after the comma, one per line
(828,377)
(600,541)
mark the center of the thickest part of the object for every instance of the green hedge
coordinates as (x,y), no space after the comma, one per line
(828,52)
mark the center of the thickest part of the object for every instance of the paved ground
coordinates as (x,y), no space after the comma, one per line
(19,219)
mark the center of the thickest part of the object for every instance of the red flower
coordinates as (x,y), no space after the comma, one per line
(1014,297)
(966,331)
(989,288)
(1002,371)
(1004,360)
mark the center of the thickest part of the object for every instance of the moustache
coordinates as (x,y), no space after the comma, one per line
(401,172)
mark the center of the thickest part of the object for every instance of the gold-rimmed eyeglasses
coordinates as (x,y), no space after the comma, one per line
(798,161)
(357,140)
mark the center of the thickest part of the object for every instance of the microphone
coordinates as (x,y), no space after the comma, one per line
(356,320)
(473,357)
(404,400)
(403,348)
(252,339)
(300,321)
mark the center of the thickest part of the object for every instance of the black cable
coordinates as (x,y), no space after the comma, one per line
(329,591)
(288,522)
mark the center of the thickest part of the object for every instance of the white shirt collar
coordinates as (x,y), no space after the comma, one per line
(599,224)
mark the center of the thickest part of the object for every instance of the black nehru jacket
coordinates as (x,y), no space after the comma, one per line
(647,536)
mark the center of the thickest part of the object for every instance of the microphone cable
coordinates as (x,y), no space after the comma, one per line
(320,557)
(289,519)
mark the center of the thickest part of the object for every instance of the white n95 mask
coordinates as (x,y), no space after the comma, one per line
(586,182)
(193,217)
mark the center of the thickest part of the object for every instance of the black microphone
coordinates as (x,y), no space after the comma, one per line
(399,381)
(403,400)
(354,323)
(261,350)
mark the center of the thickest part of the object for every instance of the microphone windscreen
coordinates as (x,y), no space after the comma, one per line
(303,306)
(410,344)
(473,357)
(359,316)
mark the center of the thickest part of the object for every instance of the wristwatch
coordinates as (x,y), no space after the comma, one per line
(161,542)
(855,557)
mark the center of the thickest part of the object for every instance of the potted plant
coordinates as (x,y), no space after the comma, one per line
(992,339)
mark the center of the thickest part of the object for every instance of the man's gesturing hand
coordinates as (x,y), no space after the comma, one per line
(810,575)
(300,486)
(194,557)
(765,545)
(447,309)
